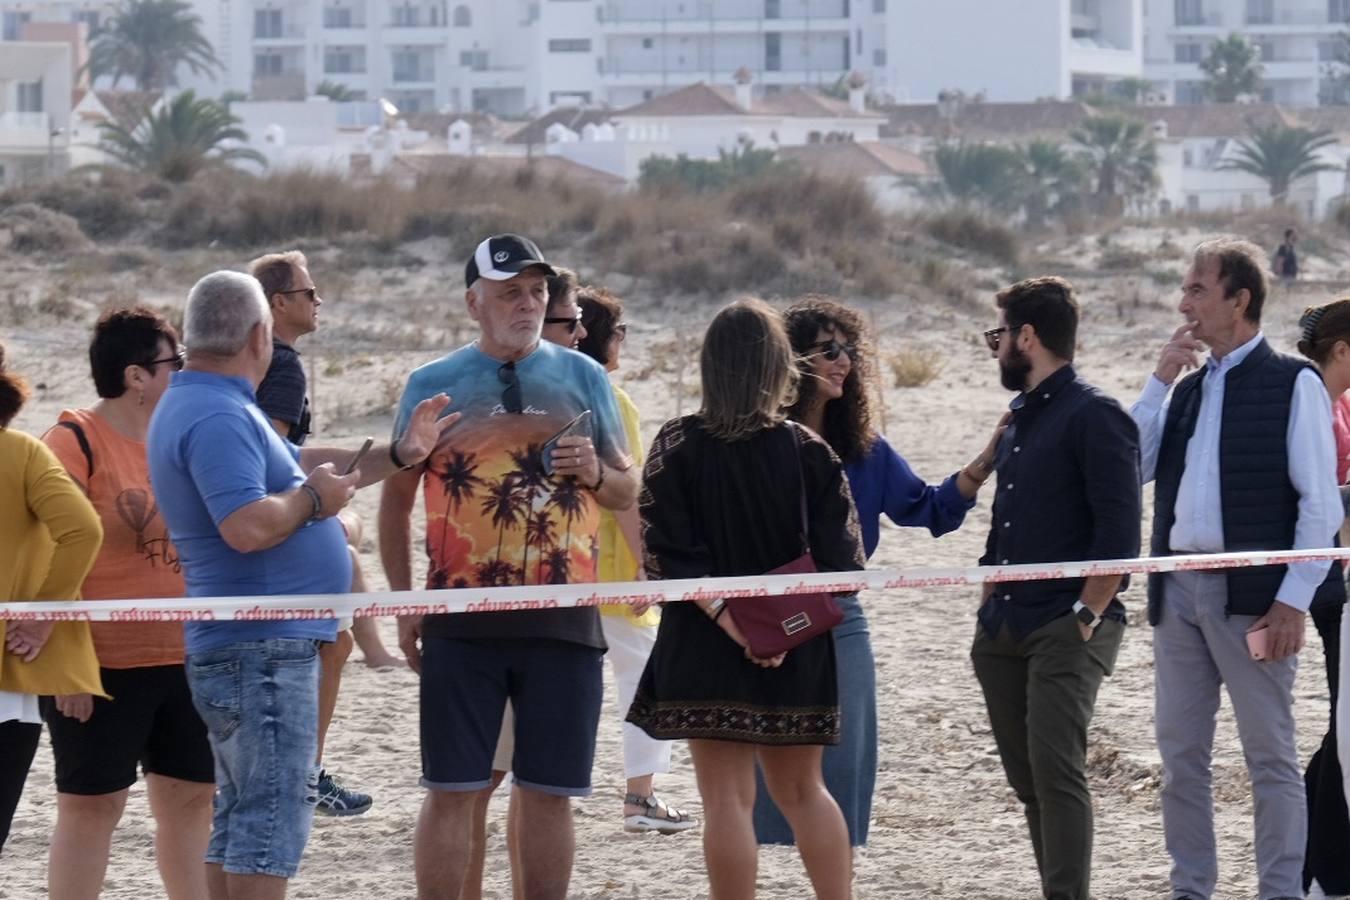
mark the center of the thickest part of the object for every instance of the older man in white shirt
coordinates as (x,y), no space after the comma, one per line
(1243,458)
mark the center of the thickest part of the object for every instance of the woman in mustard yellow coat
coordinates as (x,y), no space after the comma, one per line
(49,536)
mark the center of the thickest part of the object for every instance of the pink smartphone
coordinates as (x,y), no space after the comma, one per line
(1257,642)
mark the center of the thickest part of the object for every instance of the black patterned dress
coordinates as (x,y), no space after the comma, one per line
(712,508)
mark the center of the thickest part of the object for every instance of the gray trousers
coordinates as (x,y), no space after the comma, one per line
(1196,649)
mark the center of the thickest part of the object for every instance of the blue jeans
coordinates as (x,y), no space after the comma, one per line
(260,703)
(850,767)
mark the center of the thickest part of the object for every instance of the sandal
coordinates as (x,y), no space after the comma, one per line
(656,816)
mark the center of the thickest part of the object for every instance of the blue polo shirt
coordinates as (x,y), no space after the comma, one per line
(212,451)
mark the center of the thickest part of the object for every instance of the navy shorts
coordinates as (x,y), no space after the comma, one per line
(555,688)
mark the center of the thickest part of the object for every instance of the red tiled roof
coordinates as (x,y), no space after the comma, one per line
(704,99)
(858,159)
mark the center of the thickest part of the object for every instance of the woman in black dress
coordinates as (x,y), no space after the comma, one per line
(722,496)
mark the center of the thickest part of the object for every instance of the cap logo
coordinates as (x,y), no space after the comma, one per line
(501,256)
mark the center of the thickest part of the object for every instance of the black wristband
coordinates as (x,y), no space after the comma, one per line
(393,457)
(721,609)
(318,501)
(599,481)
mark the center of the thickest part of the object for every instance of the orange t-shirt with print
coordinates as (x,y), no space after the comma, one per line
(136,559)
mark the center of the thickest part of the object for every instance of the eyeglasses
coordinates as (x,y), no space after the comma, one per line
(570,321)
(176,361)
(311,293)
(831,350)
(622,331)
(993,336)
(511,396)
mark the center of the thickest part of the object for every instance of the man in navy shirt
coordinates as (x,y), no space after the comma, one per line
(1068,473)
(252,514)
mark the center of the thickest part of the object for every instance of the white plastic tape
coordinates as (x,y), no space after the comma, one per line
(560,596)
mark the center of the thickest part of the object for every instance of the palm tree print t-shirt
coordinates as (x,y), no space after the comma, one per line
(494,515)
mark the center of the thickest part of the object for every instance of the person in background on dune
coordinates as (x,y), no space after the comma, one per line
(1068,489)
(49,537)
(834,355)
(150,719)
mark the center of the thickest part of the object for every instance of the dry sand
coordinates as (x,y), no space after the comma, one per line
(945,823)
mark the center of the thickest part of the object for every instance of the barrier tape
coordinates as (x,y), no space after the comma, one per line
(564,596)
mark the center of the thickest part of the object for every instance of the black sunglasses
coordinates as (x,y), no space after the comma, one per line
(511,395)
(621,330)
(176,361)
(831,349)
(570,321)
(311,293)
(993,336)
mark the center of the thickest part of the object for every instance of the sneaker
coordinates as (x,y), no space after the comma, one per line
(336,800)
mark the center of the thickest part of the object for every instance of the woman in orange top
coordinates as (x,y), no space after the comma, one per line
(48,537)
(150,720)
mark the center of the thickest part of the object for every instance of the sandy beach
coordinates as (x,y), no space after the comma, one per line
(945,823)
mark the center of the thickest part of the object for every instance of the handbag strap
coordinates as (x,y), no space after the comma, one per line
(801,484)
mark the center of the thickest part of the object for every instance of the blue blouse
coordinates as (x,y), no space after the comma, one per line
(882,482)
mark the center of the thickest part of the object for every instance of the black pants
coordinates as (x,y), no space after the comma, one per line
(18,744)
(1328,820)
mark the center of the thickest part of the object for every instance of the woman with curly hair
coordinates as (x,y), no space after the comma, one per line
(834,358)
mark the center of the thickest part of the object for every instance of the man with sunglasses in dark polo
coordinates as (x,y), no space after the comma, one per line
(512,497)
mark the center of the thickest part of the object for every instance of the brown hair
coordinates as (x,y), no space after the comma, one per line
(748,369)
(1322,327)
(1047,304)
(13,392)
(560,284)
(276,271)
(126,337)
(848,420)
(1241,265)
(600,312)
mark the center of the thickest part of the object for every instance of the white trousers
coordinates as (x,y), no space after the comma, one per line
(629,646)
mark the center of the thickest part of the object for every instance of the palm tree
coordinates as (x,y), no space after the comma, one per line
(147,40)
(990,175)
(494,573)
(179,140)
(459,479)
(539,532)
(1233,67)
(1056,179)
(334,91)
(559,562)
(1280,155)
(570,499)
(506,504)
(1121,157)
(531,478)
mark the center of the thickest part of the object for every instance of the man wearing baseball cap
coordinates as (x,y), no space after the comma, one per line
(512,497)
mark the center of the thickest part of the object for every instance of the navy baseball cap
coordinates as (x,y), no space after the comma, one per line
(503,257)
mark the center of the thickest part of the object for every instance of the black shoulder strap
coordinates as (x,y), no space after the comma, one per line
(84,444)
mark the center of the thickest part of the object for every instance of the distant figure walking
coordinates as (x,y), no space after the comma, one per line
(1285,262)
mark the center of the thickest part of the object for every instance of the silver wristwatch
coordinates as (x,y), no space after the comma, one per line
(1085,615)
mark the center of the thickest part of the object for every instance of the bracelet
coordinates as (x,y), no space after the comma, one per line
(393,457)
(599,481)
(715,608)
(318,502)
(721,609)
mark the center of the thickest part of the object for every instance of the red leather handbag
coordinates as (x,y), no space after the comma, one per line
(774,625)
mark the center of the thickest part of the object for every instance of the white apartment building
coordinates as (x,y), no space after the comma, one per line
(1012,51)
(1297,39)
(35,100)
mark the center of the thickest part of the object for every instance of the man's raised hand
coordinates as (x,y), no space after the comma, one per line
(1180,353)
(425,428)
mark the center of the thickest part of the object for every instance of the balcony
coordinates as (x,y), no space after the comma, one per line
(1211,18)
(748,13)
(24,129)
(287,33)
(415,75)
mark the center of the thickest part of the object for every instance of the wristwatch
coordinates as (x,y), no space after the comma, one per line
(1085,615)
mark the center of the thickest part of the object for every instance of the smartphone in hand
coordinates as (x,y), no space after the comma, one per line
(578,427)
(1258,643)
(360,454)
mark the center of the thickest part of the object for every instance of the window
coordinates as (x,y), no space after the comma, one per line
(773,51)
(267,23)
(405,16)
(29,97)
(878,58)
(1260,12)
(463,17)
(1193,203)
(1190,93)
(474,59)
(266,64)
(646,43)
(1338,11)
(337,17)
(341,61)
(1190,52)
(12,23)
(570,45)
(878,6)
(408,66)
(1266,49)
(569,98)
(1329,51)
(1189,12)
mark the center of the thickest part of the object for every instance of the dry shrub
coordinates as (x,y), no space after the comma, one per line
(835,207)
(915,366)
(1122,258)
(972,231)
(107,207)
(29,228)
